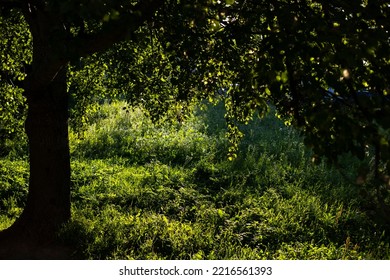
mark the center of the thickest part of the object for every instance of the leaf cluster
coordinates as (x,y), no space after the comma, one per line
(324,65)
(15,43)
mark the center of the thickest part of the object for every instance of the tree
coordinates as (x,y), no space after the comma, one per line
(61,31)
(325,66)
(288,52)
(58,34)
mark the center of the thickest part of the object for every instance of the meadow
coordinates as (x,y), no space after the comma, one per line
(142,190)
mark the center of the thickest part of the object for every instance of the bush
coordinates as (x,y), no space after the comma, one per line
(13,190)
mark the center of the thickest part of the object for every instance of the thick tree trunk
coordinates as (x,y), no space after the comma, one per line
(48,202)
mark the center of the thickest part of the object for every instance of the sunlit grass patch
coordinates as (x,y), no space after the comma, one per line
(143,190)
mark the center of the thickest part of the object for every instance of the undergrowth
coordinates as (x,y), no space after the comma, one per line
(142,190)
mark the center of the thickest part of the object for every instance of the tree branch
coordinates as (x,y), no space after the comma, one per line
(9,79)
(10,4)
(296,98)
(115,30)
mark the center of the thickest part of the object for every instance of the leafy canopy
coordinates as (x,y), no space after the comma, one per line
(323,64)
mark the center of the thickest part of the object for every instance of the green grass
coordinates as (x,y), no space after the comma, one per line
(167,191)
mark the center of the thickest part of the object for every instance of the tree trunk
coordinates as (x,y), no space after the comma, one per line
(48,202)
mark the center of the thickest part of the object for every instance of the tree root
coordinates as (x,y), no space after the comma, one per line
(17,243)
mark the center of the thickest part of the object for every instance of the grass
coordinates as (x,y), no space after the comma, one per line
(167,191)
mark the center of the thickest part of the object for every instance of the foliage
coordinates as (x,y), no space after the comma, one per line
(246,52)
(298,51)
(86,86)
(13,189)
(304,57)
(270,203)
(123,131)
(16,55)
(189,202)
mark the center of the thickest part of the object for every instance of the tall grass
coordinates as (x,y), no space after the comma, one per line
(142,190)
(120,131)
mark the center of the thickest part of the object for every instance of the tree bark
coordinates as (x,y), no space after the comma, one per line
(33,235)
(48,201)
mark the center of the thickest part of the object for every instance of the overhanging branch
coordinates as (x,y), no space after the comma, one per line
(10,3)
(10,79)
(115,31)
